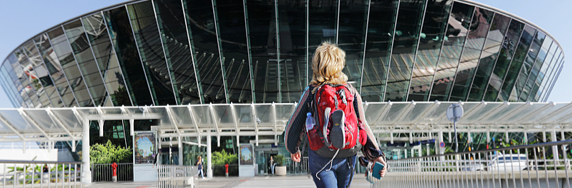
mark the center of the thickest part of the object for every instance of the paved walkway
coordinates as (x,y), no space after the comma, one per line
(239,182)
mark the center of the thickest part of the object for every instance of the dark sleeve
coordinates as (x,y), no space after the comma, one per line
(295,128)
(370,150)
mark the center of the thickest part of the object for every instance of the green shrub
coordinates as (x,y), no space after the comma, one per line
(279,160)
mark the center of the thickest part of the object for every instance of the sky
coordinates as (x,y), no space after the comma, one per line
(22,19)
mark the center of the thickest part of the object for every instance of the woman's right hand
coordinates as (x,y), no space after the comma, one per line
(295,157)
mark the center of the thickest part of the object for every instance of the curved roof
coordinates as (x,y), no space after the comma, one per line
(496,10)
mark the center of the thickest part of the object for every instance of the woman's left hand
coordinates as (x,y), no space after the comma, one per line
(383,171)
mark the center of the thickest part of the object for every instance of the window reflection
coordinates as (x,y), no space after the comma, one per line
(23,75)
(69,66)
(106,59)
(200,20)
(431,38)
(489,56)
(85,59)
(54,68)
(520,54)
(474,45)
(405,43)
(505,57)
(234,49)
(128,56)
(381,26)
(38,75)
(176,44)
(149,42)
(531,57)
(263,41)
(293,69)
(455,36)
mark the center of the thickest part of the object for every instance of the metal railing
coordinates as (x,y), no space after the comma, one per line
(32,173)
(177,176)
(104,172)
(528,166)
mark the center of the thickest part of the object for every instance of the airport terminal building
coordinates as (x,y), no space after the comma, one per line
(196,72)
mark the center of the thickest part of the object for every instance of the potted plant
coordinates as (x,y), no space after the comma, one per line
(280,168)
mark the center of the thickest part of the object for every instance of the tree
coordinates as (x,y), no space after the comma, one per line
(109,153)
(222,158)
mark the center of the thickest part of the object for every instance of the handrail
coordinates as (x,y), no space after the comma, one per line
(36,162)
(494,149)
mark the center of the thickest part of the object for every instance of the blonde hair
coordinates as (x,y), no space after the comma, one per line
(327,65)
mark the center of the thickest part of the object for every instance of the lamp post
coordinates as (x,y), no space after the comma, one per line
(454,114)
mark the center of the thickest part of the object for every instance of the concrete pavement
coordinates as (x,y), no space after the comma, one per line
(239,182)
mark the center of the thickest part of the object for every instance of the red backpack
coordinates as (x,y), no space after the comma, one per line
(333,105)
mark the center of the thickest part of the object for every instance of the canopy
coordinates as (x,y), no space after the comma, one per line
(66,124)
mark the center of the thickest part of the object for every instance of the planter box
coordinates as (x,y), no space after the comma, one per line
(280,170)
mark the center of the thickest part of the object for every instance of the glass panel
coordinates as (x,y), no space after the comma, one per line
(182,117)
(322,25)
(68,119)
(382,17)
(504,59)
(529,85)
(203,116)
(223,115)
(84,57)
(20,63)
(434,26)
(68,63)
(176,44)
(148,41)
(165,120)
(19,91)
(489,56)
(533,54)
(14,118)
(128,56)
(532,77)
(244,114)
(264,115)
(547,75)
(230,19)
(474,45)
(37,73)
(42,118)
(10,89)
(351,37)
(200,22)
(394,112)
(262,32)
(52,64)
(293,65)
(283,113)
(106,59)
(407,33)
(456,34)
(520,54)
(373,112)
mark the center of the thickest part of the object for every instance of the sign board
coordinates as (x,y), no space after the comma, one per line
(144,153)
(144,149)
(454,112)
(442,144)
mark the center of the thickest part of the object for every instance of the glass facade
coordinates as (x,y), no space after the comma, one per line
(161,52)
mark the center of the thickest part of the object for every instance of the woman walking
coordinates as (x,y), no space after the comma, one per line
(340,129)
(200,166)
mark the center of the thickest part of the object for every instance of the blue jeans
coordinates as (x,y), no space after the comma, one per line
(338,176)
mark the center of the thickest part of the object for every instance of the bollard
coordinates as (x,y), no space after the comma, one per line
(114,167)
(226,168)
